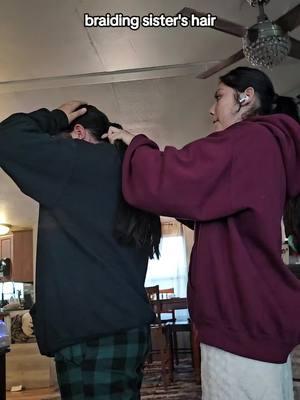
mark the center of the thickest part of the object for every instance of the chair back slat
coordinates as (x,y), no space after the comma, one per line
(165,292)
(154,299)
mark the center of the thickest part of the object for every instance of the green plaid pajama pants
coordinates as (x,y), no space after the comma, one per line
(106,368)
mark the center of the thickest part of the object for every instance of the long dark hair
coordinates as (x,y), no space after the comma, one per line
(133,227)
(241,78)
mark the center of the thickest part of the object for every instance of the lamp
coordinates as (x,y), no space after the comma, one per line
(265,44)
(4,229)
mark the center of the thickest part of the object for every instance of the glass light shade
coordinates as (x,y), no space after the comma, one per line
(254,3)
(4,229)
(266,45)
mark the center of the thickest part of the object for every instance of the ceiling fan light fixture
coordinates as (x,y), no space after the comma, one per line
(254,3)
(266,45)
(4,229)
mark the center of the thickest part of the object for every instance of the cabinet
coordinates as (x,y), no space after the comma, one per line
(18,246)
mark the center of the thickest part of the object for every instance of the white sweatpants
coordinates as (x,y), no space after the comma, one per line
(226,376)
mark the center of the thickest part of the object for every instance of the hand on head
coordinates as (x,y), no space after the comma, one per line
(70,109)
(114,134)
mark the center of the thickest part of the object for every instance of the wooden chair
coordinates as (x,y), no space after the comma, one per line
(187,326)
(160,330)
(164,293)
(165,315)
(177,326)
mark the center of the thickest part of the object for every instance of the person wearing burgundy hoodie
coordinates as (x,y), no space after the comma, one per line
(232,187)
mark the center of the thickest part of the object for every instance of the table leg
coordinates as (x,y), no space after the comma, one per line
(196,354)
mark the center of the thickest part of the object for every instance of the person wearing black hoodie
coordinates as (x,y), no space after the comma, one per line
(91,313)
(232,186)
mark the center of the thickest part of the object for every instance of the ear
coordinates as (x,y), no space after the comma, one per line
(250,92)
(79,132)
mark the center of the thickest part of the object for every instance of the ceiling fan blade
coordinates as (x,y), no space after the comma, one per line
(291,20)
(223,64)
(220,24)
(295,49)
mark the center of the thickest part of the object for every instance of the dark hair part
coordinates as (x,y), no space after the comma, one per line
(133,227)
(269,102)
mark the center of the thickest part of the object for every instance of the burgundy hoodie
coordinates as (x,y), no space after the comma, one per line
(234,184)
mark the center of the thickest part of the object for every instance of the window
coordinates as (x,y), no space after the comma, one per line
(171,270)
(10,289)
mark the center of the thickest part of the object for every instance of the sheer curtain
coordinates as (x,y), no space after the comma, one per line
(171,269)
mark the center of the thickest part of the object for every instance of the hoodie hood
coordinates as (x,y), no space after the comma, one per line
(286,132)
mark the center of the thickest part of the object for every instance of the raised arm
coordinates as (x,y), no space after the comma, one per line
(39,164)
(192,183)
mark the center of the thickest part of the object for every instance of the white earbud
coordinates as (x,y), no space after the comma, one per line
(243,98)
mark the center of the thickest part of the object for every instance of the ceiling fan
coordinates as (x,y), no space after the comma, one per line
(263,31)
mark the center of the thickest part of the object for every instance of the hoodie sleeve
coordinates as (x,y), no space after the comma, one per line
(38,163)
(192,183)
(212,178)
(50,122)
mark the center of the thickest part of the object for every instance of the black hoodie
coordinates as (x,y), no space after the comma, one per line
(87,285)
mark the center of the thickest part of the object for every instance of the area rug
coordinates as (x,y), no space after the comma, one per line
(183,386)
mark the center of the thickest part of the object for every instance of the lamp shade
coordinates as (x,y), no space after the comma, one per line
(4,229)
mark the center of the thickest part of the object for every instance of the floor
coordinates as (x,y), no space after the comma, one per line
(38,394)
(184,386)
